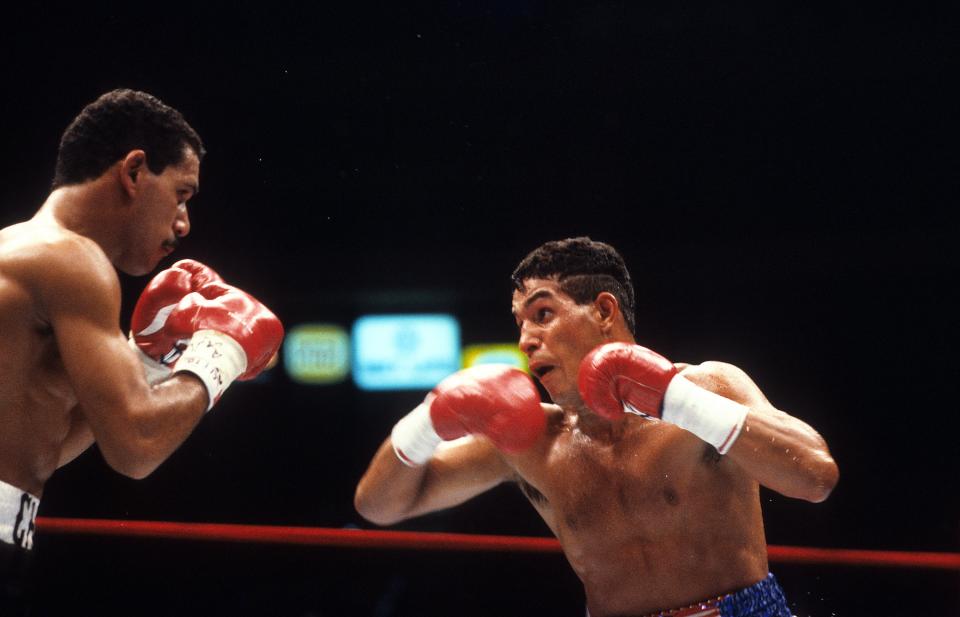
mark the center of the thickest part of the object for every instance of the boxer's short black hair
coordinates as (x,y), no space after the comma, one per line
(583,268)
(113,125)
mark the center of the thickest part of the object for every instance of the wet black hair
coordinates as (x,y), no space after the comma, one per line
(583,268)
(116,123)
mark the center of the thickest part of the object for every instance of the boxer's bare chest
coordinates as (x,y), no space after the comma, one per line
(629,487)
(637,508)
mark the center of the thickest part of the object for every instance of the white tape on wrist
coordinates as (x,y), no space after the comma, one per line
(155,371)
(413,437)
(216,359)
(711,417)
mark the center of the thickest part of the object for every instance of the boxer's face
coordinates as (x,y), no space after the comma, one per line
(162,212)
(555,334)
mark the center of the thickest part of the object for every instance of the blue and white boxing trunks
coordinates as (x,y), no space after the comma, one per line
(763,599)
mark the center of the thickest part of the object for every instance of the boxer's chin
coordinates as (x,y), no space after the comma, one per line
(139,267)
(561,396)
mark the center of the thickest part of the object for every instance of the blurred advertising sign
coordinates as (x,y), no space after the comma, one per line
(317,354)
(494,353)
(398,352)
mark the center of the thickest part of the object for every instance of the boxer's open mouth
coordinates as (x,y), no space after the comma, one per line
(540,371)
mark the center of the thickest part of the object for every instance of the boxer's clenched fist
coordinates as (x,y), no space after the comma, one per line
(213,330)
(616,376)
(497,401)
(158,299)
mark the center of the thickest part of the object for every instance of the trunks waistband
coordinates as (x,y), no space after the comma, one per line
(707,608)
(18,516)
(764,598)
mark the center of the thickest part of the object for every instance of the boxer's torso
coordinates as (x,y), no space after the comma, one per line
(36,398)
(649,516)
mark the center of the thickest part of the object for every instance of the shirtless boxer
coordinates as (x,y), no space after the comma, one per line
(647,472)
(126,167)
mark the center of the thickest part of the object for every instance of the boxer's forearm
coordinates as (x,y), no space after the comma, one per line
(778,450)
(786,455)
(389,489)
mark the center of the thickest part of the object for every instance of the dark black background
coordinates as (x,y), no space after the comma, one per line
(780,178)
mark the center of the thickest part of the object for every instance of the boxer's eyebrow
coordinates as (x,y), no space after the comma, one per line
(542,293)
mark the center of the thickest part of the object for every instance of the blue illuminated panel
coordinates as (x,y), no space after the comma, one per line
(398,352)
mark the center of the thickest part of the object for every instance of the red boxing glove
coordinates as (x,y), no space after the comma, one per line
(225,309)
(497,401)
(232,335)
(159,298)
(200,274)
(214,330)
(618,373)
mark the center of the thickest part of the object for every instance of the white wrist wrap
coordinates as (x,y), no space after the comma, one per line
(154,371)
(413,437)
(216,359)
(711,417)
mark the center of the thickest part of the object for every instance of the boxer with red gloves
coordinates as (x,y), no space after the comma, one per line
(647,472)
(128,165)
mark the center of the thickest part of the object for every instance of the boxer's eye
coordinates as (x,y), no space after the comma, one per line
(184,195)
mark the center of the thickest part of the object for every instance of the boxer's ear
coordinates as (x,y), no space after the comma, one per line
(606,308)
(131,169)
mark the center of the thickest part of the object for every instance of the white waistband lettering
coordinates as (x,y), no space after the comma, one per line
(18,516)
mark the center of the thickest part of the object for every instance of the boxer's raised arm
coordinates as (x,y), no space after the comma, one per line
(136,426)
(475,413)
(718,403)
(782,452)
(391,491)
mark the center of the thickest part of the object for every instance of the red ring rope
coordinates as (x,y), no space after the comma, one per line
(363,538)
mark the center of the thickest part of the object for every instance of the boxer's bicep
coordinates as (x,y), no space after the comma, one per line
(81,300)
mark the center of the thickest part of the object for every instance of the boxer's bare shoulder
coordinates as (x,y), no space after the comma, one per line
(49,264)
(38,243)
(725,379)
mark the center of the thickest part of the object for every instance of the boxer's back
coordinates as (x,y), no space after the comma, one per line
(35,394)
